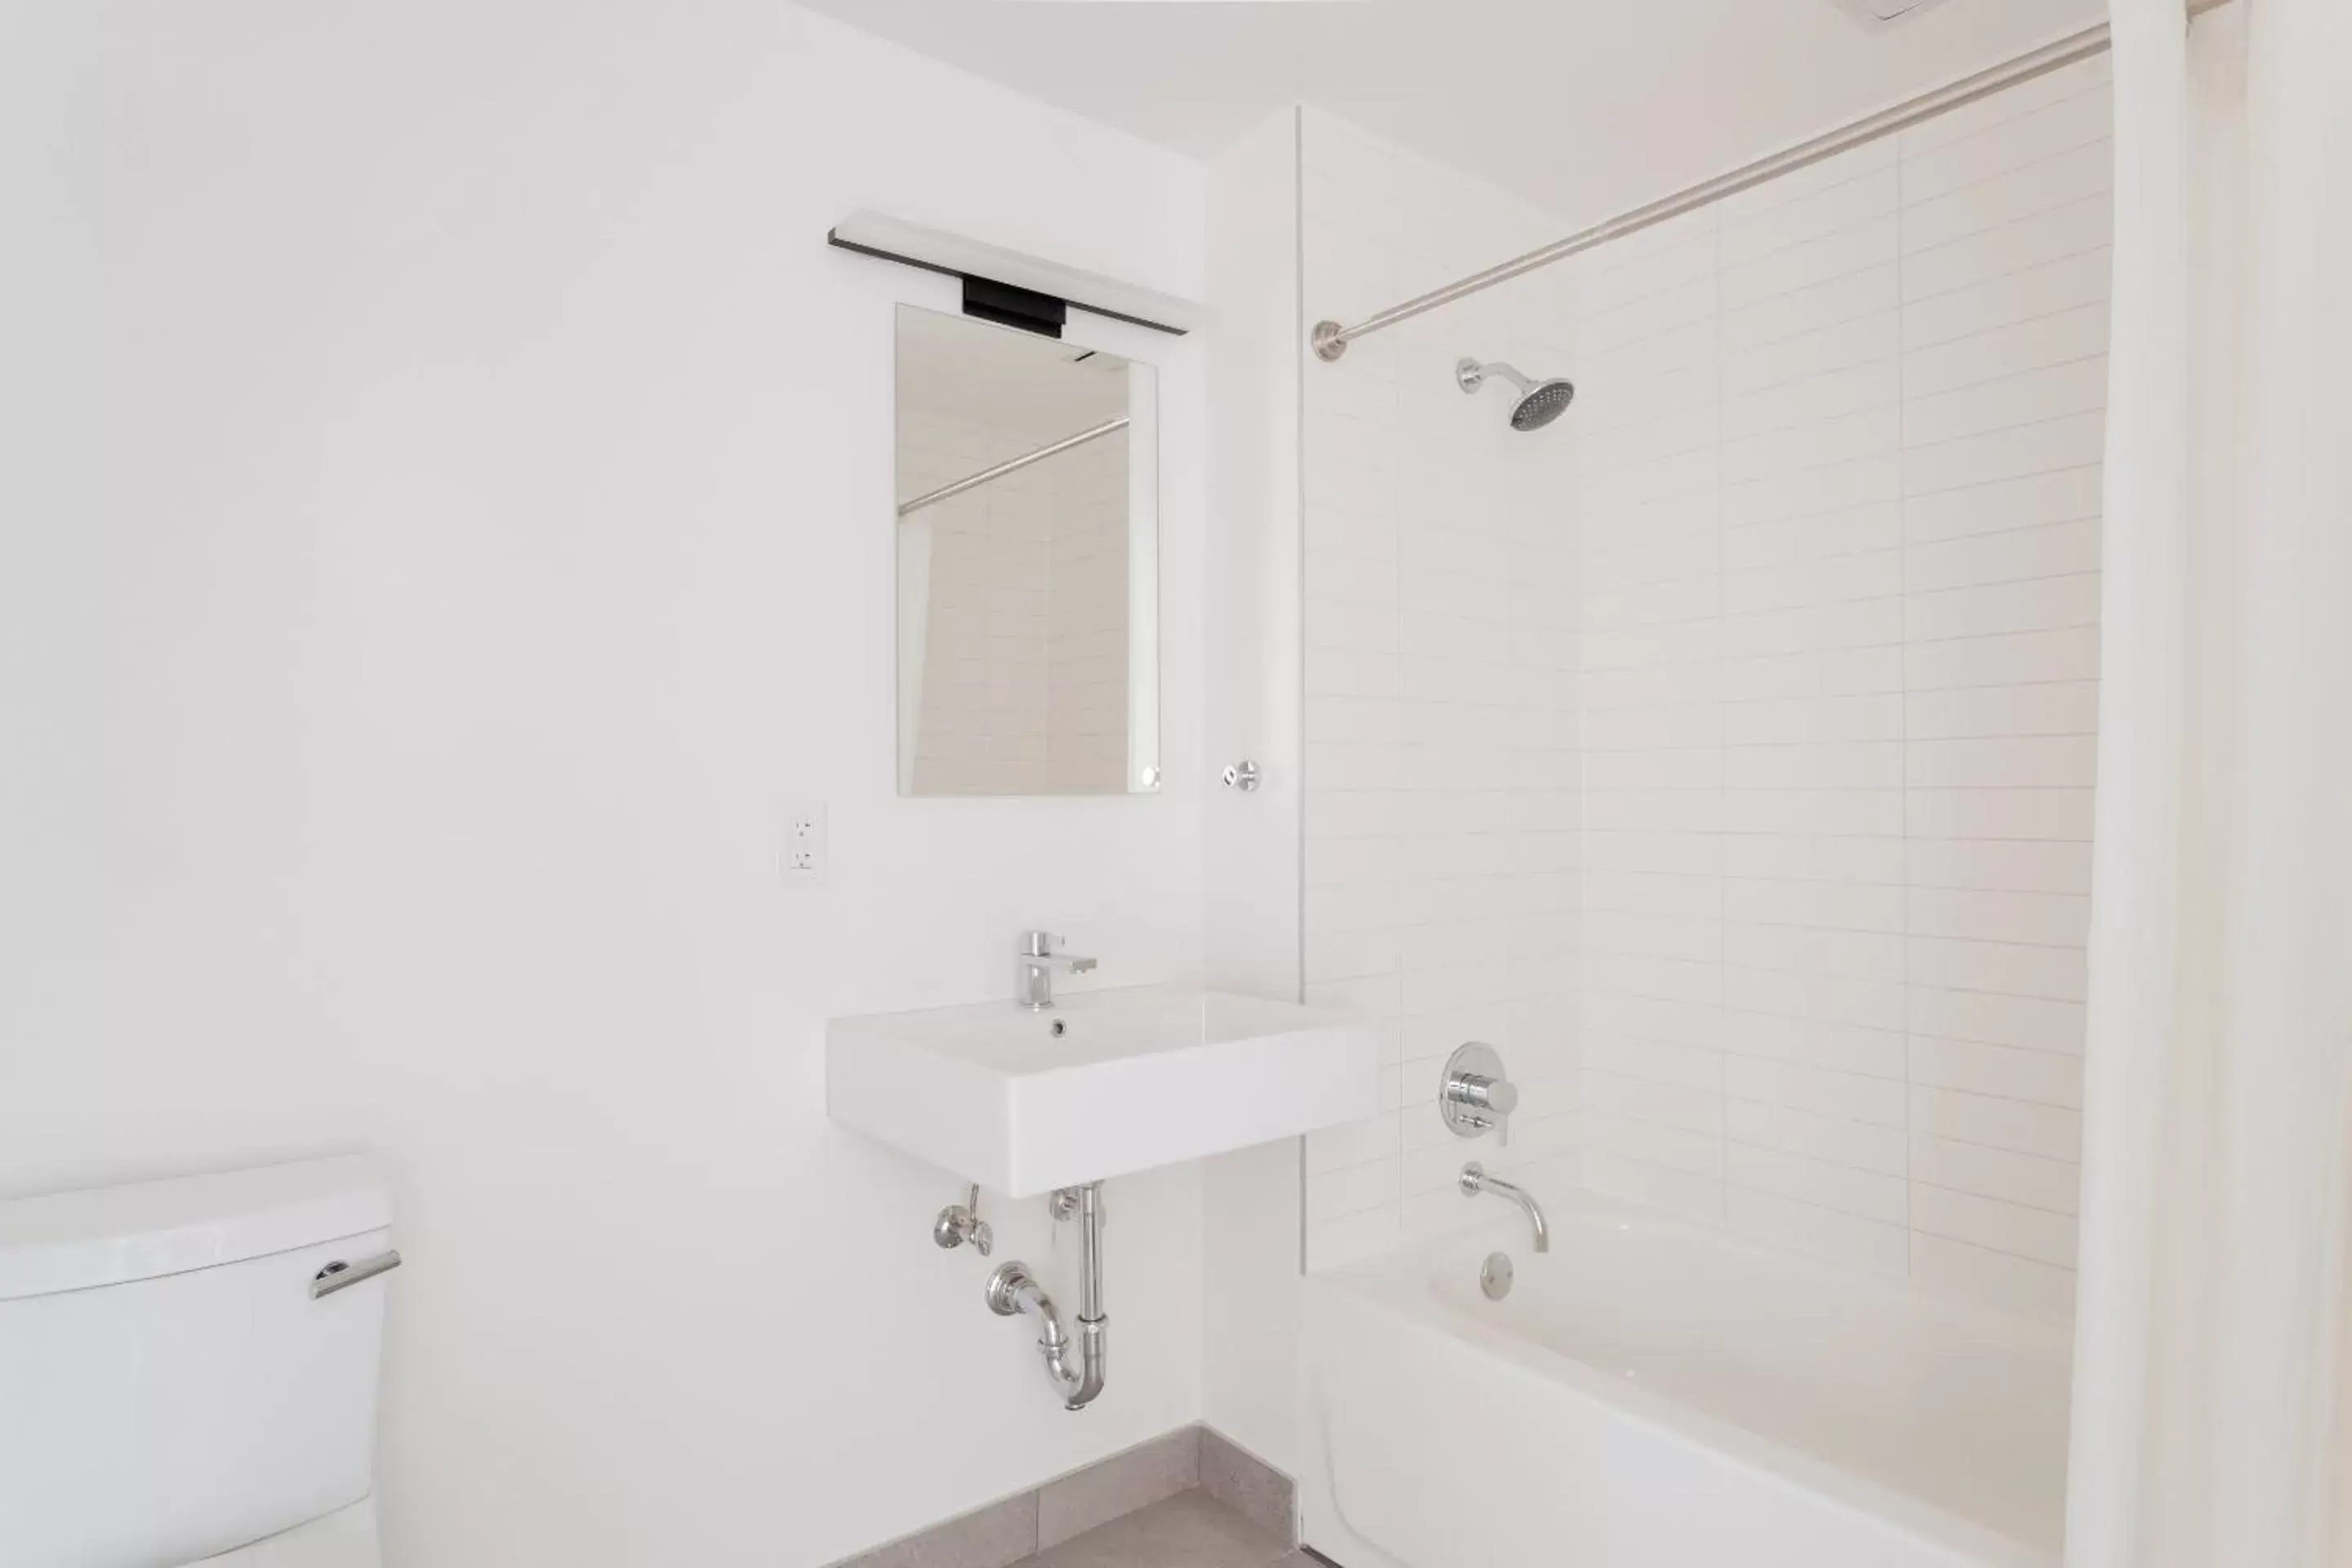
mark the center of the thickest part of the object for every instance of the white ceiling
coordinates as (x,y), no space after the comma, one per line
(1584,106)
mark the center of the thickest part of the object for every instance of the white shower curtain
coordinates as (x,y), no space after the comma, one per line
(2213,1347)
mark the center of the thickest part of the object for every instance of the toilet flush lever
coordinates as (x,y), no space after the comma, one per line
(341,1276)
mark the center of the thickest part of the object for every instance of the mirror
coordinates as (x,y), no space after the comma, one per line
(1028,531)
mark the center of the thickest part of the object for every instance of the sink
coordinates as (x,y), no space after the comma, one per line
(1103,1083)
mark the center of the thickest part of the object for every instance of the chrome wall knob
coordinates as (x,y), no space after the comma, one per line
(1475,1095)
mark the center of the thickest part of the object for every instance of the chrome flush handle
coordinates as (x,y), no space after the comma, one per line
(341,1276)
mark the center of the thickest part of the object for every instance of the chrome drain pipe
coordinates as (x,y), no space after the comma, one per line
(1013,1289)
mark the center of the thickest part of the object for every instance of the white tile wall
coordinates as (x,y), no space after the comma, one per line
(1024,666)
(1822,533)
(1442,773)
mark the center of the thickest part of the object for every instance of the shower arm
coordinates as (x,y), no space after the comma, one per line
(1330,339)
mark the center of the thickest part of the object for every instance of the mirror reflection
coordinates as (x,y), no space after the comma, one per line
(1027,543)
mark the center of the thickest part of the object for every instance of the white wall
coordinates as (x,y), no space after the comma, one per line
(1441,717)
(1832,488)
(447,517)
(1251,656)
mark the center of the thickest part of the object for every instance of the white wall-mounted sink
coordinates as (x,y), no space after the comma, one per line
(1135,1077)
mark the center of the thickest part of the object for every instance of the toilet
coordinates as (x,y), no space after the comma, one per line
(188,1370)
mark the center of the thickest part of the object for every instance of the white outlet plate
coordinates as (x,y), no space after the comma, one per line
(807,850)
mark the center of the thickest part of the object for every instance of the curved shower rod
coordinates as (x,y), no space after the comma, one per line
(1330,339)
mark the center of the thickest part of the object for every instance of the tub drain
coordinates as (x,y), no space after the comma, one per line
(1495,1275)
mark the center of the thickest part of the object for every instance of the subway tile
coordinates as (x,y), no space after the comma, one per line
(1814,720)
(1823,1091)
(1799,311)
(2054,550)
(2077,226)
(1956,1116)
(1798,220)
(1865,1145)
(1859,246)
(1822,351)
(1978,1274)
(2054,182)
(2083,120)
(2065,338)
(2044,1078)
(1840,579)
(2028,397)
(1814,949)
(1650,1100)
(2062,495)
(1821,1182)
(1695,1069)
(1996,760)
(1843,905)
(1852,765)
(1698,1194)
(2008,968)
(2012,103)
(2029,1180)
(1814,672)
(1995,1226)
(1828,1044)
(1654,1142)
(2065,284)
(1999,812)
(2025,1023)
(2064,654)
(2057,920)
(1829,999)
(1850,1240)
(1814,537)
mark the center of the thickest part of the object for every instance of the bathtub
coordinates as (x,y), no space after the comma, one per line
(1654,1393)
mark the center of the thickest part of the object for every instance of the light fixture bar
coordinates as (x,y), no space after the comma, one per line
(937,250)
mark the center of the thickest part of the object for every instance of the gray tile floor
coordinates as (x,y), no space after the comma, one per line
(1190,1530)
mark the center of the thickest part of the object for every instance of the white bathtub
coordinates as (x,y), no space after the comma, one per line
(1658,1394)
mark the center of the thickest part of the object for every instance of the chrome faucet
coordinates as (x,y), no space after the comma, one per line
(1033,966)
(1474,1180)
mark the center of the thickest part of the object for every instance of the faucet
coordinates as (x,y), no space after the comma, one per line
(1474,1180)
(1033,966)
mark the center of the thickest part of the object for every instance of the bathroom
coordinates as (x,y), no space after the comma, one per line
(477,792)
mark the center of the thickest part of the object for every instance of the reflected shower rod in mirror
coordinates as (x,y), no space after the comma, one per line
(1330,339)
(1012,466)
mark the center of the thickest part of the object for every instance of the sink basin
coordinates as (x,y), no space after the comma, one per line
(1103,1083)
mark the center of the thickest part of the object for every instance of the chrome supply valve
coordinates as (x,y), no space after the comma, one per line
(1475,1095)
(961,1223)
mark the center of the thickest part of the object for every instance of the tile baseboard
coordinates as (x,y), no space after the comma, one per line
(1015,1529)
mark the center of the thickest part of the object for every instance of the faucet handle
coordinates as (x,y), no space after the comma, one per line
(1040,943)
(1474,1095)
(960,1223)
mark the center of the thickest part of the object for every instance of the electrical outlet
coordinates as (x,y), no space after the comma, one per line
(805,844)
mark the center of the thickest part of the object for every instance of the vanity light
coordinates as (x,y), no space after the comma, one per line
(1010,287)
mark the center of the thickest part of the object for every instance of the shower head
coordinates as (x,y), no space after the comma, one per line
(1540,402)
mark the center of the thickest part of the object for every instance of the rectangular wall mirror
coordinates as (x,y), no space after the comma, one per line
(1028,539)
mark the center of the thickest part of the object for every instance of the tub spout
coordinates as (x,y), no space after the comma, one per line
(1474,1180)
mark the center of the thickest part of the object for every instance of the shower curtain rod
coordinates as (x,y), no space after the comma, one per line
(1011,466)
(1330,339)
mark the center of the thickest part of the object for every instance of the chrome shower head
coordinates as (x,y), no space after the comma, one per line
(1540,402)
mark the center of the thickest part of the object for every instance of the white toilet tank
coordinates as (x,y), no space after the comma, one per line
(172,1390)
